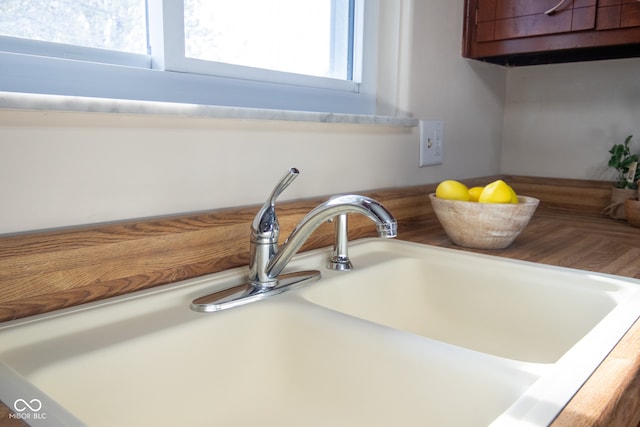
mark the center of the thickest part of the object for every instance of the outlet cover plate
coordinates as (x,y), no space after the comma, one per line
(431,132)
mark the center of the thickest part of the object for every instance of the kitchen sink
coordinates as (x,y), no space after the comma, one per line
(272,363)
(414,335)
(503,307)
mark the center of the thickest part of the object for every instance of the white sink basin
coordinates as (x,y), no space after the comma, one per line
(415,335)
(272,363)
(507,308)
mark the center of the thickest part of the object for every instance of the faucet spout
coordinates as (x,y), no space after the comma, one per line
(385,222)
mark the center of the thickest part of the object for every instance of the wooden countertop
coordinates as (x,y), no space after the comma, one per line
(49,270)
(566,238)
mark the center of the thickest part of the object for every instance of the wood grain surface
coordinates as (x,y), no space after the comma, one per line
(45,271)
(8,418)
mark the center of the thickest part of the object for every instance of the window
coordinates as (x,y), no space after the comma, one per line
(314,55)
(308,37)
(115,25)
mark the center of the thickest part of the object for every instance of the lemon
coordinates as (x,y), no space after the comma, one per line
(452,190)
(514,197)
(498,192)
(474,193)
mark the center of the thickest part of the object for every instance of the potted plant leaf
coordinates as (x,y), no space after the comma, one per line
(628,174)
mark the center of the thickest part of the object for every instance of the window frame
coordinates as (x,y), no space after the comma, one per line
(166,75)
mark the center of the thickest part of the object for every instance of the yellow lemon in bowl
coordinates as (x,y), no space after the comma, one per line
(452,190)
(474,193)
(498,192)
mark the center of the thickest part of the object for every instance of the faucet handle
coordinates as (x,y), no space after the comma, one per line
(265,227)
(287,179)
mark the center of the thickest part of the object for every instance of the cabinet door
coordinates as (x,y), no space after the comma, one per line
(630,14)
(521,32)
(618,14)
(511,19)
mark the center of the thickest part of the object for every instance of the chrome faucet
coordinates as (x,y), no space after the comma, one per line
(385,222)
(267,259)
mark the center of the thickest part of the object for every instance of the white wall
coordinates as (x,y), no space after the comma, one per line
(467,95)
(61,169)
(561,120)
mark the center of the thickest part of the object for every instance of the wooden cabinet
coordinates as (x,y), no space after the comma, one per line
(614,14)
(542,31)
(510,19)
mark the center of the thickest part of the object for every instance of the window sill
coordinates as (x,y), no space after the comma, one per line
(39,102)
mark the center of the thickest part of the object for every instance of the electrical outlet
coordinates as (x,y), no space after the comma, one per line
(430,142)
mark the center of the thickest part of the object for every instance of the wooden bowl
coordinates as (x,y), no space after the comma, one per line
(483,225)
(632,211)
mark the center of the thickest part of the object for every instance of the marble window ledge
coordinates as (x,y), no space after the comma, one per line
(39,102)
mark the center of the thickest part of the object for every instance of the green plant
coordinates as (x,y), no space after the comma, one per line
(625,164)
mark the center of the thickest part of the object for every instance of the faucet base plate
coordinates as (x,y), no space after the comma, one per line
(246,292)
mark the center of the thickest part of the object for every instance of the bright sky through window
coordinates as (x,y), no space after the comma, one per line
(284,35)
(107,24)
